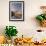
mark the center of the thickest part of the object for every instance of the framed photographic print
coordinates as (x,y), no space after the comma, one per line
(16,10)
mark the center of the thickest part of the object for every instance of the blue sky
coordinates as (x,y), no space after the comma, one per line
(16,6)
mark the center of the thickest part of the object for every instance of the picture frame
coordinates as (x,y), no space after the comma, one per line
(16,10)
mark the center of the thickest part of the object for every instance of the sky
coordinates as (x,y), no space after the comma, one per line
(16,6)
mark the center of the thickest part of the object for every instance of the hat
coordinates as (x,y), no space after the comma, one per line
(42,7)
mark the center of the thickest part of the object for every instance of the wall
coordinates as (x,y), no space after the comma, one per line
(29,25)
